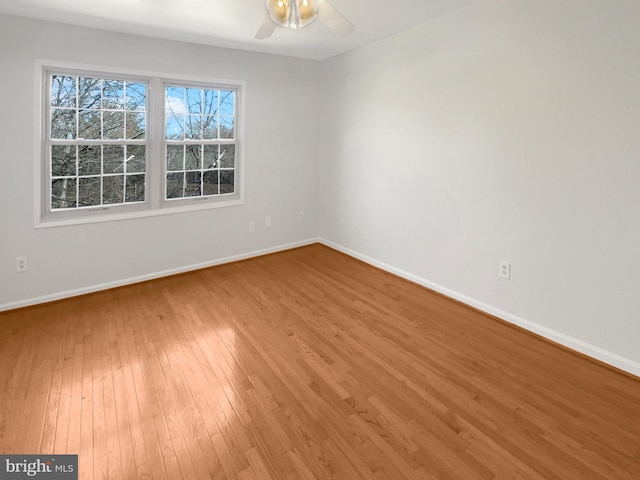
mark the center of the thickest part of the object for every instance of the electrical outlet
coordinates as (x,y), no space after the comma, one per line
(301,216)
(252,226)
(21,264)
(267,221)
(505,270)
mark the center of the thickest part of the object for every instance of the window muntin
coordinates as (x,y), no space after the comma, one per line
(95,145)
(200,141)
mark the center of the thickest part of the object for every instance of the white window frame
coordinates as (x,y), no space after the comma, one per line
(155,202)
(169,202)
(85,212)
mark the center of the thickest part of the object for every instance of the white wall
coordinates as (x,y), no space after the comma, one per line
(506,130)
(280,178)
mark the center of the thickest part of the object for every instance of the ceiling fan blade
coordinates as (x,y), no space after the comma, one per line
(333,19)
(266,29)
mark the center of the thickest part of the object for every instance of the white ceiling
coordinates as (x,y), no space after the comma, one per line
(233,23)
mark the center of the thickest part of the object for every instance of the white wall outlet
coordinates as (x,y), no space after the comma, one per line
(267,221)
(300,216)
(252,226)
(505,270)
(21,264)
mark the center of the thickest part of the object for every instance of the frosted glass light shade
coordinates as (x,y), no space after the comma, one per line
(279,11)
(307,11)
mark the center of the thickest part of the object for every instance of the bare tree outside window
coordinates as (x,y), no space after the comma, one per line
(97,141)
(200,141)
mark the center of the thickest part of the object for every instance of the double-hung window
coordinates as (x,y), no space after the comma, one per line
(96,147)
(117,145)
(200,141)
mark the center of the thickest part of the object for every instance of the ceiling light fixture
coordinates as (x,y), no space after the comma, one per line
(299,13)
(292,13)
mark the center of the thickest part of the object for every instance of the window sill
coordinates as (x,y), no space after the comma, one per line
(110,217)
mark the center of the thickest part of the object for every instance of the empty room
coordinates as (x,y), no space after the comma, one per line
(320,239)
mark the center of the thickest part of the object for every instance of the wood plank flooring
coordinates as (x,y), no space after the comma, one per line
(305,364)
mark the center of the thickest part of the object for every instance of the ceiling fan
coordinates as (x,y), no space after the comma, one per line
(299,13)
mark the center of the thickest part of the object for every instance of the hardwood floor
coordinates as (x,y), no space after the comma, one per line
(305,364)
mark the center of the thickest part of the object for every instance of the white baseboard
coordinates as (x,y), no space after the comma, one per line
(142,278)
(565,340)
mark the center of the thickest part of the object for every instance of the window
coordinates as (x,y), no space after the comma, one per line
(96,149)
(119,145)
(200,142)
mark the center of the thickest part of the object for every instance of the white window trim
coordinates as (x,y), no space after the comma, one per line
(155,204)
